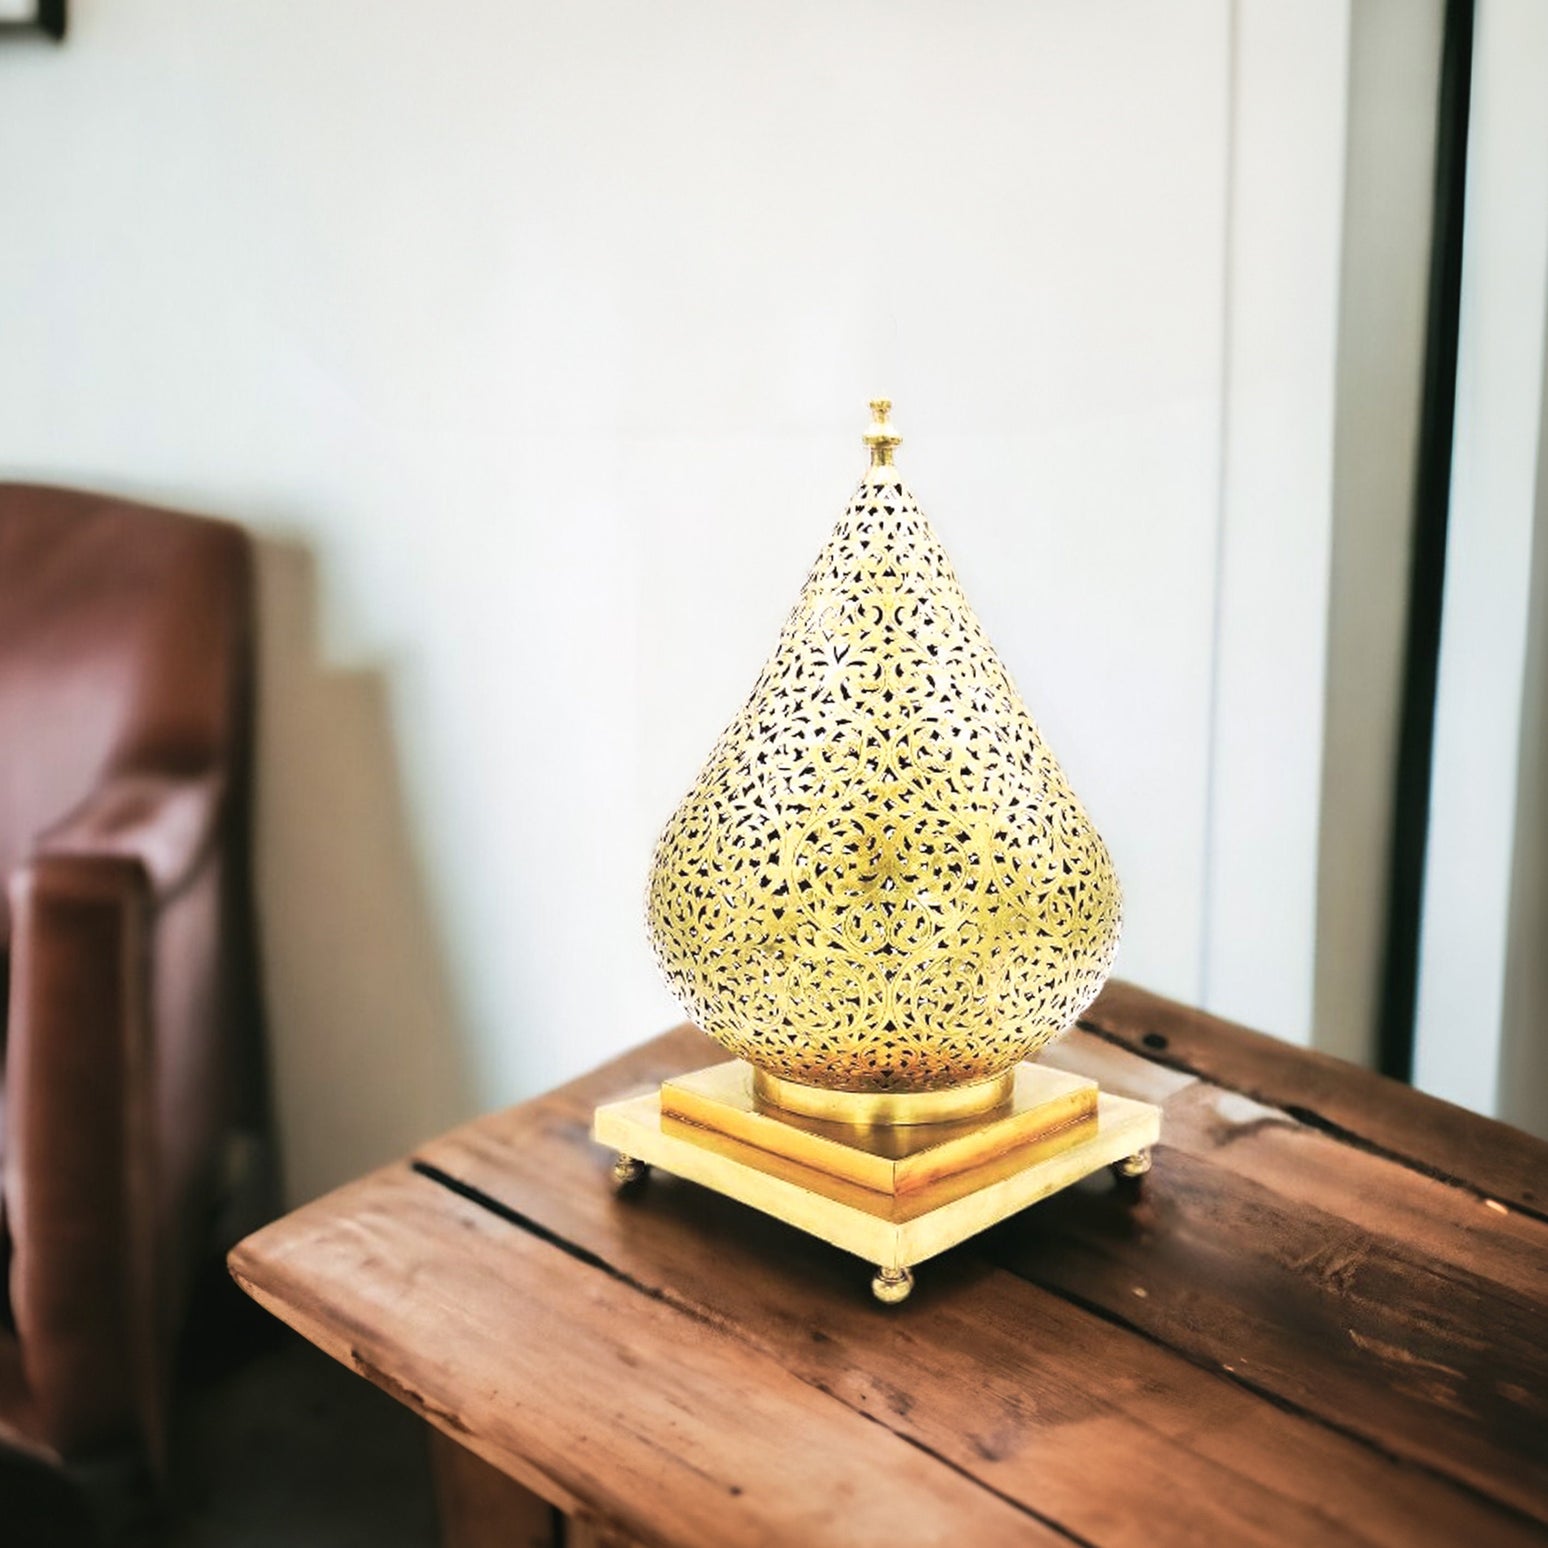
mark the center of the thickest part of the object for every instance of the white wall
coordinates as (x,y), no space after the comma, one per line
(533,342)
(1285,197)
(1482,989)
(1394,79)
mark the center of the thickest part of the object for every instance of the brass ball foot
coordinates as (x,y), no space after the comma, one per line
(627,1170)
(1133,1166)
(892,1285)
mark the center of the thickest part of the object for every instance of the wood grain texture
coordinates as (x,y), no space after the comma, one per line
(1282,1337)
(1377,1299)
(619,1408)
(1002,1380)
(1353,1104)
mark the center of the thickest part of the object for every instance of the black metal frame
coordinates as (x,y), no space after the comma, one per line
(1427,572)
(50,19)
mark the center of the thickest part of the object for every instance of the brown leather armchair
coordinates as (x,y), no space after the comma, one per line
(129,1035)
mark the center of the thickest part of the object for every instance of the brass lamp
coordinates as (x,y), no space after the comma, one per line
(883,898)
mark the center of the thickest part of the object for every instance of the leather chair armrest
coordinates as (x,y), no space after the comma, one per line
(108,1027)
(165,822)
(79,1157)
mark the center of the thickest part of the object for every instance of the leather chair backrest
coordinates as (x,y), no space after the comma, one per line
(119,629)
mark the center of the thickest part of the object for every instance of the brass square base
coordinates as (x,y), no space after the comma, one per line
(893,1195)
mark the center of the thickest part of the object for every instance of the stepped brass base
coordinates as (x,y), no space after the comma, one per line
(892,1194)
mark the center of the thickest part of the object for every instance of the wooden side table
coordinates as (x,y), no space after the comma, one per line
(1321,1319)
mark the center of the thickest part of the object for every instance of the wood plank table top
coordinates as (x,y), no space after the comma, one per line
(1321,1319)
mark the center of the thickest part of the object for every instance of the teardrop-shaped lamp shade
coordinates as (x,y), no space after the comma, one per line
(881,880)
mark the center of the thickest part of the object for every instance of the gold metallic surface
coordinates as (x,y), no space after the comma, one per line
(892,1286)
(627,1170)
(891,1159)
(881,881)
(888,1231)
(1134,1166)
(901,1108)
(881,437)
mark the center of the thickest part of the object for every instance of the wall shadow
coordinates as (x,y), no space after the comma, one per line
(365,1052)
(1522,1093)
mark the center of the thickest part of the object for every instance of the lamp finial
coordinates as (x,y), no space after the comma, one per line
(881,437)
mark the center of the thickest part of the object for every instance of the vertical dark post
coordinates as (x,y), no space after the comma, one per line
(1432,493)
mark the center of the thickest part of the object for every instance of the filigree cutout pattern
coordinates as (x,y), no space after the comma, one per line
(881,880)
